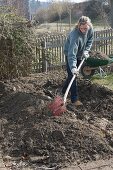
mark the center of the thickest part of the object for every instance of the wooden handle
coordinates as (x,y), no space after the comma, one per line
(69,86)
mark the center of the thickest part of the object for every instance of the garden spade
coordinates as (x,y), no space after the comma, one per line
(58,105)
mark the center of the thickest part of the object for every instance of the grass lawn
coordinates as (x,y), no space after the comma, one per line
(106,81)
(65,26)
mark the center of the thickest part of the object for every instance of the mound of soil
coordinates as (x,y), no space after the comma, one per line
(32,136)
(98,54)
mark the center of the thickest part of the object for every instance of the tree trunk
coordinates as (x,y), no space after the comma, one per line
(111,4)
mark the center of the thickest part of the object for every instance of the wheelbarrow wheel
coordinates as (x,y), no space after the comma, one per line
(86,71)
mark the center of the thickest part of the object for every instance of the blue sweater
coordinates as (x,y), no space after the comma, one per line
(76,44)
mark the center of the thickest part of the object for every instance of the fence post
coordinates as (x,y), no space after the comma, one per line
(44,60)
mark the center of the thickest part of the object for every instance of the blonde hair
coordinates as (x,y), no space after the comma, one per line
(84,20)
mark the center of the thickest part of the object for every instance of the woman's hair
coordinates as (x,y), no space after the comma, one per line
(84,20)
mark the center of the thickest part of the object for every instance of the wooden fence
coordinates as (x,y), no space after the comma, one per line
(49,49)
(103,41)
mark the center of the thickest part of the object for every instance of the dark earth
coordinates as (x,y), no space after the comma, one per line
(32,137)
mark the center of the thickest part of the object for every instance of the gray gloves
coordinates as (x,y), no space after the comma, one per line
(86,55)
(75,71)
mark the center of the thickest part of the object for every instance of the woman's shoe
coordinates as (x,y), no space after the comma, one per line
(77,103)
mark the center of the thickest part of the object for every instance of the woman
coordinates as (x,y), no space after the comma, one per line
(77,45)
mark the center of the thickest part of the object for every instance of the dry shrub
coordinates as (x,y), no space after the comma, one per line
(16,52)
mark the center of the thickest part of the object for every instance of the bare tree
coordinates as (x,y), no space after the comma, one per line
(111,13)
(21,6)
(68,7)
(58,6)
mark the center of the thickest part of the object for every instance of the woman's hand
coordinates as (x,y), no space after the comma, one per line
(75,71)
(86,55)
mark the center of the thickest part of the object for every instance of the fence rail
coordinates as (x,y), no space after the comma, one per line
(49,49)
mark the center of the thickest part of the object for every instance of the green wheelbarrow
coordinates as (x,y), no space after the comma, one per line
(92,64)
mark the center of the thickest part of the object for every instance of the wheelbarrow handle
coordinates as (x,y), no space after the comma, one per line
(74,76)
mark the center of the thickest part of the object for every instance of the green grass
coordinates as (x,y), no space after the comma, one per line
(106,81)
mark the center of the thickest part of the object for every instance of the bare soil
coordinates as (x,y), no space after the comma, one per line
(32,137)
